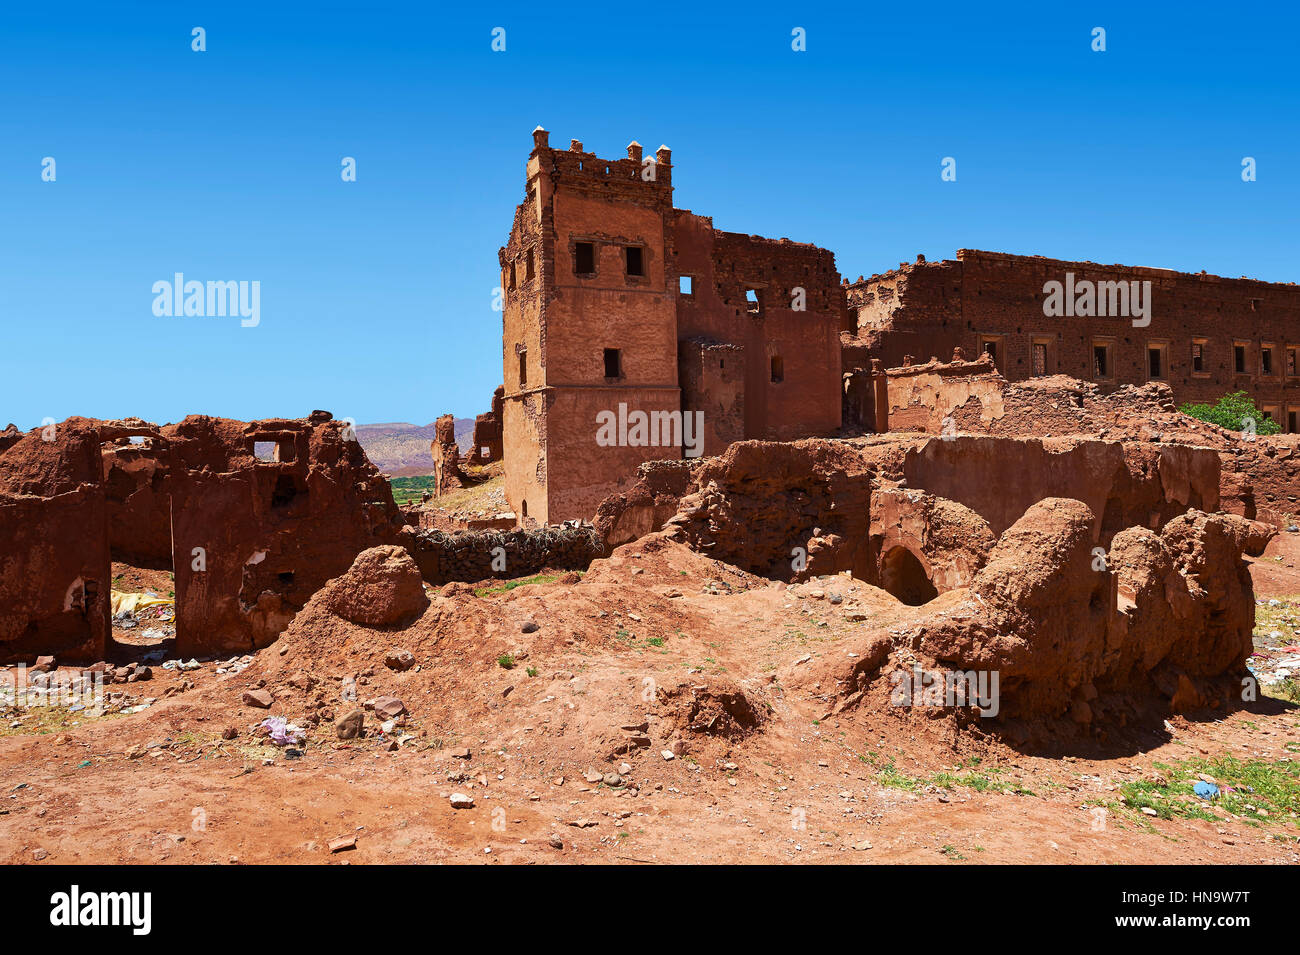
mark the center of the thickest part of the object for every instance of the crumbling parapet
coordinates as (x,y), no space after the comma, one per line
(447,475)
(487,433)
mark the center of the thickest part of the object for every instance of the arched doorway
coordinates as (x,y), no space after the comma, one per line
(903,575)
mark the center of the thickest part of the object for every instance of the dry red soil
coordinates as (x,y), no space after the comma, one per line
(729,666)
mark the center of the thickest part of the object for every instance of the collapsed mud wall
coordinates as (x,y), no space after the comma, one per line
(1168,619)
(1123,483)
(254,536)
(483,555)
(252,516)
(54,550)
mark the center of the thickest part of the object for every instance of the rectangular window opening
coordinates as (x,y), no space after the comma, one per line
(1101,361)
(778,368)
(613,363)
(635,260)
(1154,366)
(584,258)
(1239,359)
(685,285)
(523,367)
(1040,358)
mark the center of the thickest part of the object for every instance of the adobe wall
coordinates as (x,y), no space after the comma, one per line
(1124,484)
(487,433)
(801,329)
(712,378)
(927,309)
(249,539)
(55,567)
(923,397)
(270,533)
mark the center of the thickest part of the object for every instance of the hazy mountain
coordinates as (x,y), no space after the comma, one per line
(402,449)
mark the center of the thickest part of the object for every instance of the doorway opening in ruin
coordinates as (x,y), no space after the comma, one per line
(903,575)
(143,583)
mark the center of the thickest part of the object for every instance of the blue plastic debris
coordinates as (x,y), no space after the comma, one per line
(1206,790)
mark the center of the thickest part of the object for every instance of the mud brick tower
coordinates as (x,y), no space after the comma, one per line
(614,298)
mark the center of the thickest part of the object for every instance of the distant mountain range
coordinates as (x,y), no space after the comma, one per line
(401,449)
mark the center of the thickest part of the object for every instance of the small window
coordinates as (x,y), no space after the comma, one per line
(613,363)
(752,305)
(990,348)
(523,367)
(528,266)
(1291,422)
(1155,362)
(1101,361)
(1040,358)
(512,276)
(778,368)
(685,285)
(266,451)
(584,258)
(635,260)
(1291,361)
(1266,360)
(1198,358)
(1239,359)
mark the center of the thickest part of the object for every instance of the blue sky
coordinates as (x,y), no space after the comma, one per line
(376,295)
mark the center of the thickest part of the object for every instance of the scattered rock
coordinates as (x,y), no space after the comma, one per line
(262,699)
(399,660)
(389,707)
(350,724)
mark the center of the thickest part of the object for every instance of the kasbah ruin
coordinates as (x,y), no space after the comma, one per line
(747,562)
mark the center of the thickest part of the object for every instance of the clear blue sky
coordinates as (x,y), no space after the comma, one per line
(376,295)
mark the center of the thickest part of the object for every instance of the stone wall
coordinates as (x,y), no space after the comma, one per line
(444,557)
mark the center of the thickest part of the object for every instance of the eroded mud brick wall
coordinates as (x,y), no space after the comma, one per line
(270,532)
(487,433)
(782,303)
(477,556)
(922,397)
(1208,335)
(1124,484)
(589,322)
(54,554)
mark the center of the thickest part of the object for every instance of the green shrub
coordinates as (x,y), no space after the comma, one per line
(1232,412)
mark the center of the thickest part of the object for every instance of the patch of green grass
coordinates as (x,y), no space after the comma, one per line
(1262,791)
(531,671)
(952,853)
(506,661)
(512,584)
(1287,690)
(655,641)
(40,720)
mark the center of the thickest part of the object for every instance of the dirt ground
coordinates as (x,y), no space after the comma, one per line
(560,735)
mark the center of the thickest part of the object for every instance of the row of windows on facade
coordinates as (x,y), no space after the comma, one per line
(1158,358)
(614,365)
(584,262)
